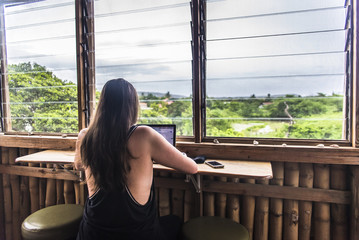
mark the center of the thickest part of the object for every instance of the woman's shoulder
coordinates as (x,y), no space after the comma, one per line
(143,132)
(82,133)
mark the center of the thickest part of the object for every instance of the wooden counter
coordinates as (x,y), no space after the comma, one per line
(232,168)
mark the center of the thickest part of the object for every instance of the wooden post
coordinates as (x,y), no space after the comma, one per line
(60,191)
(276,204)
(7,196)
(77,188)
(305,207)
(261,215)
(321,210)
(50,190)
(290,223)
(42,190)
(69,189)
(69,194)
(34,187)
(233,205)
(15,190)
(5,101)
(339,212)
(248,207)
(208,200)
(221,200)
(24,192)
(86,86)
(354,225)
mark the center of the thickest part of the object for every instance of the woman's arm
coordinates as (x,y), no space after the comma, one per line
(164,153)
(78,162)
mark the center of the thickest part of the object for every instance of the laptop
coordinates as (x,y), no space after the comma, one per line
(168,131)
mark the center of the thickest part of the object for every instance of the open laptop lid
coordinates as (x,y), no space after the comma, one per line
(168,131)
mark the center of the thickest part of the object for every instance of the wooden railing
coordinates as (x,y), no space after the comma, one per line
(304,200)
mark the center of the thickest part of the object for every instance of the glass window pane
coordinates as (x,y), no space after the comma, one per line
(148,43)
(276,69)
(41,70)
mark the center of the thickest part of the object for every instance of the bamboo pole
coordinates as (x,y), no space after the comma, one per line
(7,196)
(321,210)
(261,215)
(305,207)
(221,200)
(72,190)
(248,208)
(59,190)
(208,201)
(276,204)
(233,204)
(164,198)
(15,190)
(34,187)
(177,198)
(77,189)
(50,190)
(339,212)
(42,190)
(2,211)
(24,192)
(69,193)
(290,209)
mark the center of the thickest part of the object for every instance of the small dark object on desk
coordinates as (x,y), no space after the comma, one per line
(199,159)
(214,164)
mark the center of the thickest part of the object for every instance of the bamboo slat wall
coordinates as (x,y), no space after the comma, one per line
(265,214)
(22,195)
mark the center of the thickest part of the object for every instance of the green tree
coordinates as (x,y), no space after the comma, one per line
(40,101)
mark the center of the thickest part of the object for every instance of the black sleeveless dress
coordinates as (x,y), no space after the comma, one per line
(117,215)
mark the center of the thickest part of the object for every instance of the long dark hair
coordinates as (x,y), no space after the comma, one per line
(104,147)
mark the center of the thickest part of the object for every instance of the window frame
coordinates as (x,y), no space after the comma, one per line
(86,81)
(352,135)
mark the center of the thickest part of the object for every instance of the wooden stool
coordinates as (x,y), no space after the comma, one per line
(213,228)
(55,222)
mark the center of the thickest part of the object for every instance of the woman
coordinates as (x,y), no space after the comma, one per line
(117,157)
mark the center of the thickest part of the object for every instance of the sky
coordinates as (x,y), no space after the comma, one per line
(253,47)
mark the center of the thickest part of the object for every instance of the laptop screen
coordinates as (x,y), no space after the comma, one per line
(168,131)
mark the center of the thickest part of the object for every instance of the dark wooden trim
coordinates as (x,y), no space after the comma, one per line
(273,153)
(85,47)
(38,172)
(355,67)
(91,67)
(260,190)
(278,141)
(282,192)
(196,75)
(38,142)
(80,66)
(173,183)
(4,86)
